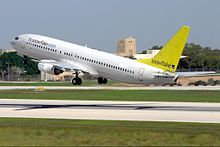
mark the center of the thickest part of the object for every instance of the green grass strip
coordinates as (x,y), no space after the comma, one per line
(55,132)
(116,95)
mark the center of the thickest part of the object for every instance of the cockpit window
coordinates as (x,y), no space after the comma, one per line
(16,38)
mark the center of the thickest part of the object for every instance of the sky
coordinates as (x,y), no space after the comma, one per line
(100,23)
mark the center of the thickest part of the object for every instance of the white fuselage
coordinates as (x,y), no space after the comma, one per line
(106,65)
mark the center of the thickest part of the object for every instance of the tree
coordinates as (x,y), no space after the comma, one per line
(15,72)
(2,72)
(202,57)
(16,61)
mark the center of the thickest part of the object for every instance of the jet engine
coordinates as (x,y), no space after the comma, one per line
(49,68)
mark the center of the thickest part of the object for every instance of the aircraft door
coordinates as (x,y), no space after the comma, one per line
(141,74)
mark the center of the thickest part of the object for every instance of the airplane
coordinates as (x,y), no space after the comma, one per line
(56,56)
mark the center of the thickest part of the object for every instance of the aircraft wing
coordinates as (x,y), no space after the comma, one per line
(68,65)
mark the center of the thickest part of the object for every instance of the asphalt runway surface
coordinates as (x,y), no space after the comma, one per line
(112,110)
(112,88)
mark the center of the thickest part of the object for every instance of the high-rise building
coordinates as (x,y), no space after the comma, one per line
(126,47)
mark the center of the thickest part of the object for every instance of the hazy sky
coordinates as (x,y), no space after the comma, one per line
(100,23)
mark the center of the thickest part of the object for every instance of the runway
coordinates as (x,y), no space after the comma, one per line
(112,110)
(112,88)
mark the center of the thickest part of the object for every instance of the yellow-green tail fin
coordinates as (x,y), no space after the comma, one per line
(169,56)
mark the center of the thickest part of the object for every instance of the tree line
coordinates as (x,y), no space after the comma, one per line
(200,57)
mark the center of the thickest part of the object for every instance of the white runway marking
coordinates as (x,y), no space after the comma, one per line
(112,110)
(113,88)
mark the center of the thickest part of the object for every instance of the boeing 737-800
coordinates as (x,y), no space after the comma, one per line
(56,56)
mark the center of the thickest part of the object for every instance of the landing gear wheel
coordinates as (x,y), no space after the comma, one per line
(105,81)
(102,80)
(79,81)
(76,81)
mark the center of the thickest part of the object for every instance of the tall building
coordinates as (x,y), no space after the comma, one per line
(126,47)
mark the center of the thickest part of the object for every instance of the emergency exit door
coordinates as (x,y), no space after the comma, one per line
(141,74)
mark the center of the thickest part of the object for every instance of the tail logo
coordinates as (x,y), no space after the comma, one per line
(163,63)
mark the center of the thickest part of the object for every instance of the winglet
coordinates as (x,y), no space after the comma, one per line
(169,56)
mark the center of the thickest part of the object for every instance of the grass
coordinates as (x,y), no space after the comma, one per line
(116,95)
(54,132)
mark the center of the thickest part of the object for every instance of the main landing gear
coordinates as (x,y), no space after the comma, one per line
(77,80)
(102,80)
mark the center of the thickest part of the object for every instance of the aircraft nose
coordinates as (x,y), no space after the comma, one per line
(13,41)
